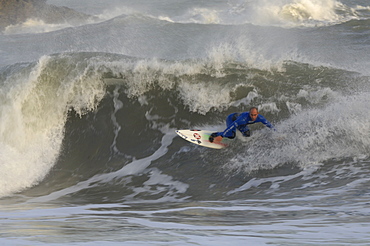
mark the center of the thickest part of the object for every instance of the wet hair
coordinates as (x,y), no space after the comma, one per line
(253,108)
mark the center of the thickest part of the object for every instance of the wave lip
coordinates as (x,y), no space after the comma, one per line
(35,101)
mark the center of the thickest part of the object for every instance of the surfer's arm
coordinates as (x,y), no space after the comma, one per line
(266,122)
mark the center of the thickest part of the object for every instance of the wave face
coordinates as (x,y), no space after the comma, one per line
(89,112)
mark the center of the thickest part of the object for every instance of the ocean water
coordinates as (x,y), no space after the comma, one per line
(88,113)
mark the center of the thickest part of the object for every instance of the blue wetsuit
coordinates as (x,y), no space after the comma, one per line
(241,121)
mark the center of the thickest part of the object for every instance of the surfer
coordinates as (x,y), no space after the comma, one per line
(241,121)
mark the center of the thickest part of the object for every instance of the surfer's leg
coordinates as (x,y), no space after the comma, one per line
(231,118)
(230,134)
(244,129)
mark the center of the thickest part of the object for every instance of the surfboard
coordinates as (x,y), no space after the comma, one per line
(201,137)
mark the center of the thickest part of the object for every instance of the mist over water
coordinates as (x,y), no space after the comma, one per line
(89,113)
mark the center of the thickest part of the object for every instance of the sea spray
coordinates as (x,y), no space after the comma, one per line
(310,138)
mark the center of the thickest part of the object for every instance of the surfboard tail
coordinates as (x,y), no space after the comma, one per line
(201,137)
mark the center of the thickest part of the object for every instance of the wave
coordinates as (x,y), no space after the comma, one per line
(89,113)
(260,47)
(283,13)
(35,101)
(34,26)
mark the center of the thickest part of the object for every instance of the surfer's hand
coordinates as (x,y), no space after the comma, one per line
(212,137)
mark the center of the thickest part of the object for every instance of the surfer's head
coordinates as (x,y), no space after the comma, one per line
(253,113)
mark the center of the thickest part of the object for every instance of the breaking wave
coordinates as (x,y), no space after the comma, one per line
(53,111)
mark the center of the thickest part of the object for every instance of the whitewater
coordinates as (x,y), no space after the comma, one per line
(89,110)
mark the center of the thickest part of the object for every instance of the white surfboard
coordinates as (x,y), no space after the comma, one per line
(201,137)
